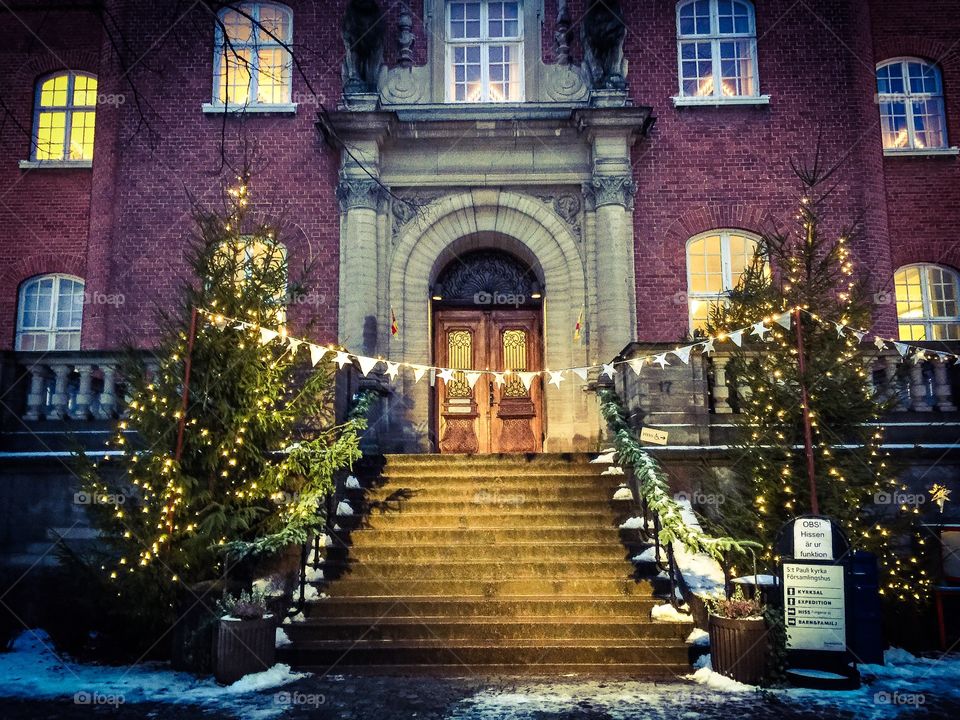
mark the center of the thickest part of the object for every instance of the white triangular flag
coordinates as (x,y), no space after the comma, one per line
(860,334)
(268,336)
(902,348)
(784,320)
(581,372)
(556,377)
(878,341)
(472,378)
(446,374)
(316,354)
(684,353)
(342,358)
(220,321)
(418,372)
(366,364)
(499,379)
(736,337)
(636,365)
(527,379)
(840,328)
(294,344)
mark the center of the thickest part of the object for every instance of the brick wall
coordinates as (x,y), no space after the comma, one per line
(124,225)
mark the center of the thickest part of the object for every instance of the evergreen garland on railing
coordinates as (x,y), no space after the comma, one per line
(655,488)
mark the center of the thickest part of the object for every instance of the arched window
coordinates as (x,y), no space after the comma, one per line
(910,95)
(484,51)
(253,260)
(715,263)
(717,42)
(63,117)
(252,62)
(928,302)
(49,313)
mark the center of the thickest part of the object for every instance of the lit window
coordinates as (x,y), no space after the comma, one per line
(717,43)
(50,312)
(927,302)
(910,96)
(252,65)
(715,263)
(484,51)
(258,262)
(63,118)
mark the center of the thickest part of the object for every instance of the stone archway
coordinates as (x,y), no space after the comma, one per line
(514,223)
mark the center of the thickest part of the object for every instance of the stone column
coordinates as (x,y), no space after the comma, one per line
(108,397)
(918,389)
(36,396)
(60,398)
(616,292)
(84,394)
(941,387)
(890,363)
(721,393)
(360,199)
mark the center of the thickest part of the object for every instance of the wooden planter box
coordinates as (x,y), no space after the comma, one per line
(738,648)
(241,647)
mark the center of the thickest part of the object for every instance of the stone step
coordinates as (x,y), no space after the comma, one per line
(546,476)
(495,652)
(443,569)
(519,606)
(495,671)
(550,557)
(487,536)
(488,628)
(491,460)
(353,586)
(486,494)
(504,518)
(441,506)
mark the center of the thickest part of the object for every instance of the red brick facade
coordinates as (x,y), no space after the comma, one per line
(123,225)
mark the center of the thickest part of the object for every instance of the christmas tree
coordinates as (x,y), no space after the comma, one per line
(807,356)
(242,472)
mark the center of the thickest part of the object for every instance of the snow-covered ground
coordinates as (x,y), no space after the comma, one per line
(33,670)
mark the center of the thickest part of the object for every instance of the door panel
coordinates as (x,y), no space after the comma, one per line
(491,416)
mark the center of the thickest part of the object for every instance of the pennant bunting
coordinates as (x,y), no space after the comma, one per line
(556,377)
(581,372)
(342,358)
(527,379)
(636,365)
(736,337)
(760,330)
(684,353)
(316,354)
(785,320)
(446,374)
(609,370)
(268,336)
(393,369)
(472,378)
(418,372)
(661,360)
(366,364)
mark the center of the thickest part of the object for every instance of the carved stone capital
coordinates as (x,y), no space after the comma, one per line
(359,193)
(612,190)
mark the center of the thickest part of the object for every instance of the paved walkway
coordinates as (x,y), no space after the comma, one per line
(457,699)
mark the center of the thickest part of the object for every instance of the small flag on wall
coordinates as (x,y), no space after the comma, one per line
(394,326)
(579,326)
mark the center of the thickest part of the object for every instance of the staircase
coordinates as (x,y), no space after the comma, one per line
(489,564)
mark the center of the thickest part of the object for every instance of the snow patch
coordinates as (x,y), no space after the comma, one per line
(282,639)
(613,470)
(668,613)
(352,483)
(634,523)
(607,458)
(701,573)
(344,508)
(33,670)
(705,675)
(623,493)
(313,574)
(648,555)
(698,637)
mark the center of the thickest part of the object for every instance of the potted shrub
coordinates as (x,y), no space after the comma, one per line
(738,638)
(245,638)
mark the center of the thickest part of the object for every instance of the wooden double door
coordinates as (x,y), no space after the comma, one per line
(496,414)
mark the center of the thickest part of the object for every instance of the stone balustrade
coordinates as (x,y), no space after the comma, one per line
(928,386)
(77,386)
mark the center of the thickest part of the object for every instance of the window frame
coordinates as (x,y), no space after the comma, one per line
(67,110)
(484,41)
(726,268)
(715,38)
(51,331)
(928,319)
(219,53)
(908,98)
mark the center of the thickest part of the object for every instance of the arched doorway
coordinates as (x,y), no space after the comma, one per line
(487,308)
